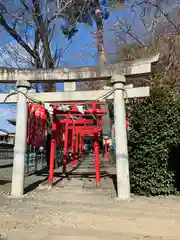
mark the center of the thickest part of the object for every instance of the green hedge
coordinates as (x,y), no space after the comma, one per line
(154,156)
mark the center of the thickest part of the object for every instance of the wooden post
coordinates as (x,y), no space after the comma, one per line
(97,164)
(52,153)
(106,148)
(65,147)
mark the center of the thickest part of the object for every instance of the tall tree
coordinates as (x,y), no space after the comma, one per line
(88,12)
(33,26)
(159,31)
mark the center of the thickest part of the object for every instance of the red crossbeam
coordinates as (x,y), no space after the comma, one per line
(79,121)
(86,113)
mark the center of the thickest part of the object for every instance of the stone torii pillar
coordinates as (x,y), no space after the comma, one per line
(17,188)
(122,163)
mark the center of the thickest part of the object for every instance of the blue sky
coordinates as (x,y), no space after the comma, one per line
(7,112)
(82,42)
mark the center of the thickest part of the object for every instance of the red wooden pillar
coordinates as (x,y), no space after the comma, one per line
(52,153)
(106,148)
(97,164)
(72,148)
(77,142)
(65,147)
(82,144)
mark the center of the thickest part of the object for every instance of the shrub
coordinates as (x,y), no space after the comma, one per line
(153,142)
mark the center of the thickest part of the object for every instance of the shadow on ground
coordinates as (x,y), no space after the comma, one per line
(6,165)
(33,185)
(3,182)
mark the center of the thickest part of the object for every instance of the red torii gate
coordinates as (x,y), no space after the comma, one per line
(93,132)
(66,131)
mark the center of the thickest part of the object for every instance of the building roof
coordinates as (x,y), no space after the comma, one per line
(12,121)
(3,132)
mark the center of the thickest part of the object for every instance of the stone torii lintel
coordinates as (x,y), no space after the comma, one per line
(76,96)
(128,68)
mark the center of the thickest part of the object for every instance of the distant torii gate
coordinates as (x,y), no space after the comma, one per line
(115,73)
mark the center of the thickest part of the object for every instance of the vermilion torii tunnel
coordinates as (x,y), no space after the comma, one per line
(70,127)
(71,123)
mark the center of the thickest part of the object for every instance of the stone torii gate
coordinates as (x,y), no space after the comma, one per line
(116,74)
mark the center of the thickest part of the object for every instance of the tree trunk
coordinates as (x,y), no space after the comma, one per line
(100,35)
(42,26)
(100,43)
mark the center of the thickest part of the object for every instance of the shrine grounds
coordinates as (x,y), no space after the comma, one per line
(74,209)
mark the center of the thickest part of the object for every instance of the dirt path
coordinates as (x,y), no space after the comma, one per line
(75,213)
(76,210)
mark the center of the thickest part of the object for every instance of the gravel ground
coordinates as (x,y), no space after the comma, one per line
(76,213)
(70,211)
